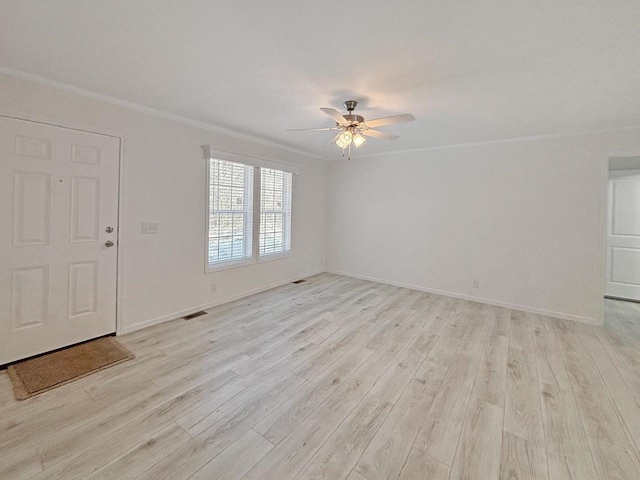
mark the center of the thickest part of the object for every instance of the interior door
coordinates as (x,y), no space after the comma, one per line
(623,239)
(58,237)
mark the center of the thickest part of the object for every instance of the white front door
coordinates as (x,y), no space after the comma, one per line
(623,235)
(58,217)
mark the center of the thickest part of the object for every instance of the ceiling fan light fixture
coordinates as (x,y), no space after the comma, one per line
(353,129)
(345,138)
(359,139)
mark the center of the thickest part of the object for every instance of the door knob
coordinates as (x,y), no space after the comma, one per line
(108,243)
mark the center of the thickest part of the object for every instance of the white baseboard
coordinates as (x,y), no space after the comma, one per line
(524,308)
(497,303)
(232,298)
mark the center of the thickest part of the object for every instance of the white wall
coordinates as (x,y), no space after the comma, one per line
(522,217)
(165,183)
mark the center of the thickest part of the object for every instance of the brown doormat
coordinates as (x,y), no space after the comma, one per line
(40,374)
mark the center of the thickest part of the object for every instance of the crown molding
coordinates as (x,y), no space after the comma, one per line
(154,112)
(547,136)
(274,144)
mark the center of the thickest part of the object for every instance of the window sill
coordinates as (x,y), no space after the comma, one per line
(228,266)
(275,256)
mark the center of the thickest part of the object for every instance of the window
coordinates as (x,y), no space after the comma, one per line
(275,212)
(230,219)
(237,187)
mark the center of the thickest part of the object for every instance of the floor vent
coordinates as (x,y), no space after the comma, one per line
(299,281)
(194,315)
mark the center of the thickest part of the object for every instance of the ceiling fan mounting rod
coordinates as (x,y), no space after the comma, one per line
(350,105)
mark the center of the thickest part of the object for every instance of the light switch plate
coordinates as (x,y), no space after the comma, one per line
(149,228)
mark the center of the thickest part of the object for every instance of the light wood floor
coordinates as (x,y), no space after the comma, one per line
(338,378)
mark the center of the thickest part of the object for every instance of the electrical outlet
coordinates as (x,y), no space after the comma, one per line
(213,287)
(476,284)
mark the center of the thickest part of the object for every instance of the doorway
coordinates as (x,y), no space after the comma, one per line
(59,190)
(623,229)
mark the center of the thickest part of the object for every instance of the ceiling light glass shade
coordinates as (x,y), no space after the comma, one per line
(358,139)
(340,144)
(345,138)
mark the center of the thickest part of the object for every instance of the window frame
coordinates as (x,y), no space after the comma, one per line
(256,164)
(286,218)
(249,218)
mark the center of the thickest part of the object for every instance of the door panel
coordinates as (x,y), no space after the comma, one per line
(85,209)
(58,195)
(31,208)
(623,239)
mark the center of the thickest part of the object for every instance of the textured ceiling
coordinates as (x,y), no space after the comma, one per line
(469,71)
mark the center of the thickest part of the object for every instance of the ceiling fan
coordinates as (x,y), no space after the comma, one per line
(353,129)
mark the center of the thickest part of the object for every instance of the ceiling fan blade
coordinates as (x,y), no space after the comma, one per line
(378,134)
(333,140)
(310,129)
(333,113)
(379,122)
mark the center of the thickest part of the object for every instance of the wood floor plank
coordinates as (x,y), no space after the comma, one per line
(422,302)
(268,375)
(398,376)
(287,417)
(472,343)
(102,446)
(312,368)
(395,324)
(20,464)
(522,460)
(625,403)
(551,367)
(389,449)
(523,412)
(419,465)
(491,380)
(338,455)
(212,412)
(442,426)
(286,460)
(598,413)
(302,336)
(433,317)
(521,331)
(144,455)
(18,428)
(153,411)
(396,343)
(499,320)
(614,462)
(208,413)
(568,450)
(354,475)
(197,452)
(449,340)
(478,452)
(624,354)
(237,460)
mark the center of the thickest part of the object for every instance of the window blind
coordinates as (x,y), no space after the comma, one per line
(230,212)
(275,212)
